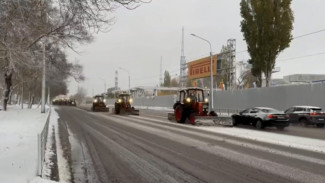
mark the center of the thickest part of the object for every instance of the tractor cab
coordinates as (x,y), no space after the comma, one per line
(193,99)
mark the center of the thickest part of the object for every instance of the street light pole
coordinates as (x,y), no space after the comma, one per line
(43,81)
(211,107)
(129,76)
(104,80)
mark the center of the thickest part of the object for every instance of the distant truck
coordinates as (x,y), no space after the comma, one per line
(306,115)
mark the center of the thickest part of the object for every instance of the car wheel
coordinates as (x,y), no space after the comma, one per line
(234,121)
(180,114)
(320,125)
(303,122)
(259,124)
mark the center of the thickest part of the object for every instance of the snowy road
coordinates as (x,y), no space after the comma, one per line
(148,148)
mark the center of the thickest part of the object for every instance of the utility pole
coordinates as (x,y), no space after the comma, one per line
(183,65)
(211,107)
(160,74)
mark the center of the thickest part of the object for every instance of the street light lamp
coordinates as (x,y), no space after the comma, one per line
(129,76)
(211,108)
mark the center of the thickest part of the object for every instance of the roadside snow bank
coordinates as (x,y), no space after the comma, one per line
(40,180)
(18,143)
(304,143)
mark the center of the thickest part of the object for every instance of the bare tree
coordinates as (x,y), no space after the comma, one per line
(25,24)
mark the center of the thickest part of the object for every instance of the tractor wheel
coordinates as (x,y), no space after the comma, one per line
(192,118)
(117,110)
(180,115)
(259,124)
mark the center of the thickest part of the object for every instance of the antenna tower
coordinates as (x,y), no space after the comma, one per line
(183,65)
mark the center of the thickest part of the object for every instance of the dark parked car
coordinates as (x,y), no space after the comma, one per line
(261,117)
(306,115)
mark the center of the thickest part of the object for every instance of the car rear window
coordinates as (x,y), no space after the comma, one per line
(269,110)
(315,110)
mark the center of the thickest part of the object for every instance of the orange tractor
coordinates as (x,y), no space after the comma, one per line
(192,106)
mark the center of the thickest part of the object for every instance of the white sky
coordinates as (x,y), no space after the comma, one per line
(140,37)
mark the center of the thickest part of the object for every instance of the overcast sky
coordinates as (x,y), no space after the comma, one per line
(139,38)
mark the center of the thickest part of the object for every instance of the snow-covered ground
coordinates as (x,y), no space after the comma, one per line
(19,144)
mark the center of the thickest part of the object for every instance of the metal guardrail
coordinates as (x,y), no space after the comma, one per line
(42,140)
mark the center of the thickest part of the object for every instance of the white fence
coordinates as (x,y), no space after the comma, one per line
(280,97)
(42,140)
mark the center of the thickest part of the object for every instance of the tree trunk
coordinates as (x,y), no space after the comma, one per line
(267,79)
(29,100)
(32,102)
(8,82)
(22,95)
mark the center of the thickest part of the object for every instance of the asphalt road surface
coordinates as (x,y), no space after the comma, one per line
(149,148)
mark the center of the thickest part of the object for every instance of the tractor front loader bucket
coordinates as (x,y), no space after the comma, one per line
(213,121)
(135,112)
(205,120)
(129,112)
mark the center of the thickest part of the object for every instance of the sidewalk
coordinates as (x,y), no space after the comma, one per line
(18,143)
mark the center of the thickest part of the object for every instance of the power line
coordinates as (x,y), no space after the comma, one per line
(303,56)
(297,37)
(242,51)
(308,34)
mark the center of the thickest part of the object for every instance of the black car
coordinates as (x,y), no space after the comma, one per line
(306,115)
(261,117)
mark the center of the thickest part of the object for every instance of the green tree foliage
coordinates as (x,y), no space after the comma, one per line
(267,27)
(167,79)
(174,82)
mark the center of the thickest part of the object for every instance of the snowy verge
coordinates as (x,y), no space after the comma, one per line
(63,165)
(18,143)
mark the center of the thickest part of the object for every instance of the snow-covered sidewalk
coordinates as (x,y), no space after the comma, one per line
(18,143)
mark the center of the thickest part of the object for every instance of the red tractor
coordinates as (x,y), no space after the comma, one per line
(123,105)
(193,106)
